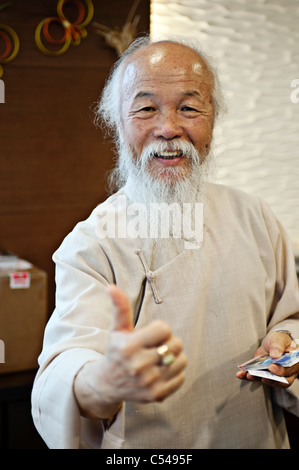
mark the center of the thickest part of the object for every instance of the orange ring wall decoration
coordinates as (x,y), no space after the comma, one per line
(8,45)
(73,32)
(12,45)
(47,35)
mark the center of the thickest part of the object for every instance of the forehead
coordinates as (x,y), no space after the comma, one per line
(165,64)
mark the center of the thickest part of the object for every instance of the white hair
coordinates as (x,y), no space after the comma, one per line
(107,109)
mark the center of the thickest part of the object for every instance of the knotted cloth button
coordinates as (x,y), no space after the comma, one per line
(165,356)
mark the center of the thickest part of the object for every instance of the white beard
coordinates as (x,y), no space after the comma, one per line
(177,186)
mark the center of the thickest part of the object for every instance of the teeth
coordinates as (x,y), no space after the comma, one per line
(169,155)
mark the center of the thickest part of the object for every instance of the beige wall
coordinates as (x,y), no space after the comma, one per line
(256,45)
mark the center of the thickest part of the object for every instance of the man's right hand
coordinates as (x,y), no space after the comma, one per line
(131,369)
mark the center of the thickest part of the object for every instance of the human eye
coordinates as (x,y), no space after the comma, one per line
(189,109)
(148,109)
(145,112)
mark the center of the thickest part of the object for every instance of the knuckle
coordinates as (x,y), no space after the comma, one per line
(158,394)
(127,348)
(150,378)
(163,327)
(177,345)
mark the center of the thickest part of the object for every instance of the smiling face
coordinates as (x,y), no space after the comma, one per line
(166,96)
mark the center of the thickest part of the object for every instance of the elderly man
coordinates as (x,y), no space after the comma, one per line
(133,311)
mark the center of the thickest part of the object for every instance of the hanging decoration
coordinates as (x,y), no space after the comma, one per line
(11,42)
(73,32)
(120,39)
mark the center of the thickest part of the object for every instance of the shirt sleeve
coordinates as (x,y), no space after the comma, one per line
(77,332)
(54,408)
(286,303)
(285,309)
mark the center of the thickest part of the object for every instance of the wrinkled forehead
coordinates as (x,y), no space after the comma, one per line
(166,62)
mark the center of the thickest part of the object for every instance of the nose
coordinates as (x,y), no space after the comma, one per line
(168,127)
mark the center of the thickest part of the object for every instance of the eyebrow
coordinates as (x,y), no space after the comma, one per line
(195,93)
(144,94)
(148,94)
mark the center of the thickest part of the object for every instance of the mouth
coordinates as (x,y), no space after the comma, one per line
(170,156)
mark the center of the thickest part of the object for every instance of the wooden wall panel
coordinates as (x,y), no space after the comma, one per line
(53,160)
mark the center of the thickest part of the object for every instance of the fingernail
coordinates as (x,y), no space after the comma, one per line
(275,352)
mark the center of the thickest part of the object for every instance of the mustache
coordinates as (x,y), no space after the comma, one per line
(184,148)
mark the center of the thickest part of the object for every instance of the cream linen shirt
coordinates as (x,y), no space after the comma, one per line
(221,299)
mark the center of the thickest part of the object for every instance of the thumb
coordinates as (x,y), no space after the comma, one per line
(123,316)
(277,343)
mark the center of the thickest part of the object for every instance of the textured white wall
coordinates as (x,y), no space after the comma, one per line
(256,46)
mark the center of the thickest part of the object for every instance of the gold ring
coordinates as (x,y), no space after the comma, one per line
(165,357)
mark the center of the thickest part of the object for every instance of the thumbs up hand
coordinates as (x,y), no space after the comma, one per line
(132,368)
(123,315)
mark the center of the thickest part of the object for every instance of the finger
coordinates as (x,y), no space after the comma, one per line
(241,374)
(261,351)
(277,384)
(163,373)
(173,347)
(152,335)
(284,371)
(288,372)
(180,363)
(166,388)
(277,343)
(123,315)
(148,357)
(244,375)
